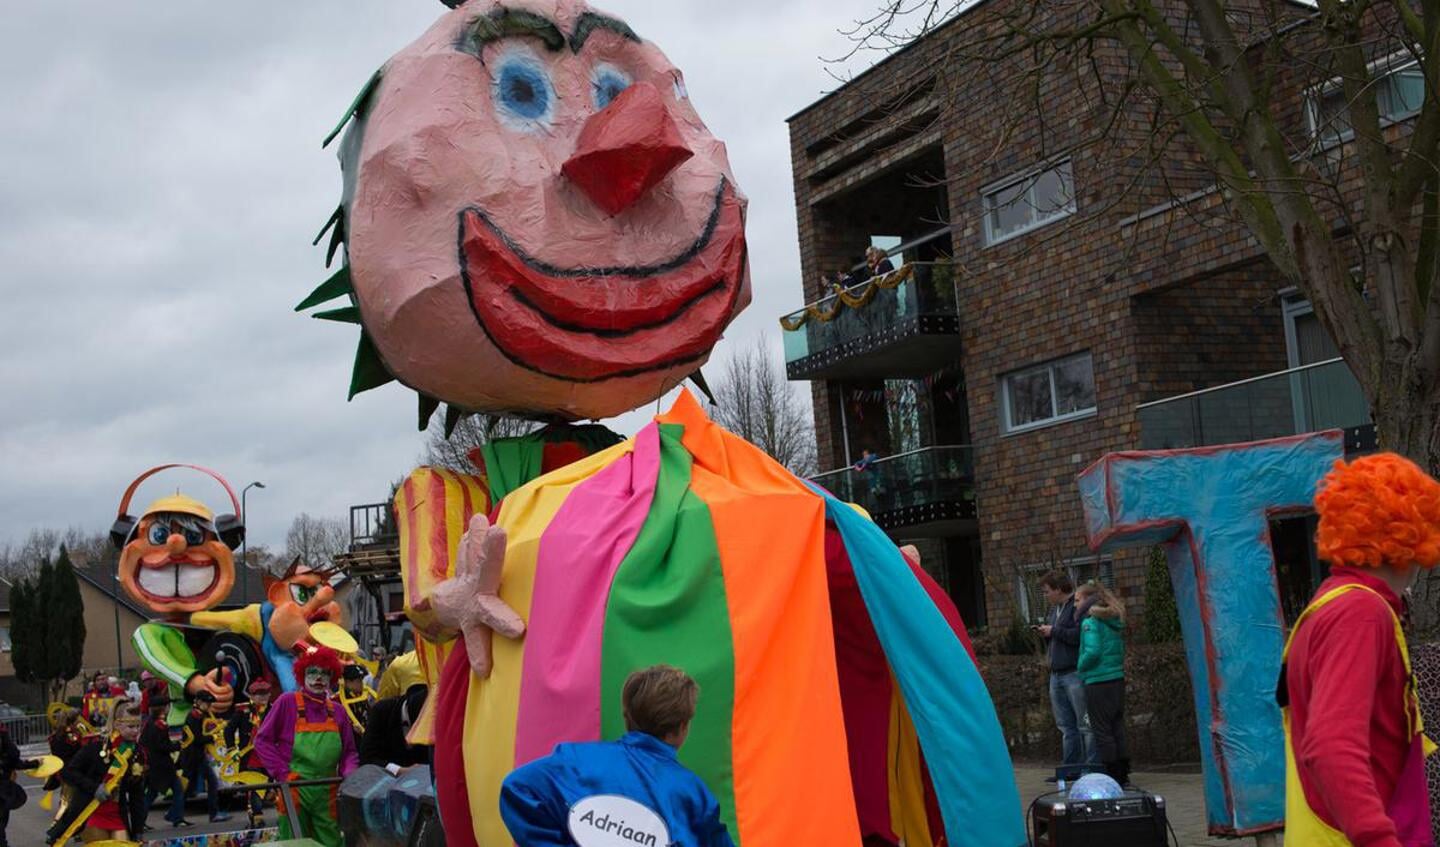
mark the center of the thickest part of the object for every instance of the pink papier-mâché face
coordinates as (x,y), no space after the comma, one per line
(538,220)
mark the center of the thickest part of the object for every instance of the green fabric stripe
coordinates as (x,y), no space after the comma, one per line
(510,463)
(667,604)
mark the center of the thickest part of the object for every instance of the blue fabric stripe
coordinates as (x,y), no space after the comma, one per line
(954,716)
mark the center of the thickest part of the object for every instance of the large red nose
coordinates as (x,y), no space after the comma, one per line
(626,148)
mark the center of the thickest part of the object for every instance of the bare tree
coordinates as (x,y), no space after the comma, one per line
(1268,116)
(754,400)
(316,540)
(470,432)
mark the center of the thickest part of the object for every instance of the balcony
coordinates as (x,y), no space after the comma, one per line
(1312,398)
(926,493)
(373,525)
(902,325)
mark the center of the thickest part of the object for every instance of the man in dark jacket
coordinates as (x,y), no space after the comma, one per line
(240,736)
(10,762)
(384,742)
(195,761)
(160,750)
(1061,632)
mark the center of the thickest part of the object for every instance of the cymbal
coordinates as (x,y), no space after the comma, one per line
(333,636)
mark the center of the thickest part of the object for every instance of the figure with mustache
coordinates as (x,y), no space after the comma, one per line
(307,735)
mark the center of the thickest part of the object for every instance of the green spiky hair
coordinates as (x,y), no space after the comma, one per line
(369,370)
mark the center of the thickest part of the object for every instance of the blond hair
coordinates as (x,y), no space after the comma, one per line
(1108,606)
(659,700)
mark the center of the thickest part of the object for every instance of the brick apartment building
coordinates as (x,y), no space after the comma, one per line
(1055,300)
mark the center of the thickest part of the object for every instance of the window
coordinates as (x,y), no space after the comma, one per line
(4,639)
(1057,391)
(1399,93)
(1306,341)
(1033,607)
(1019,205)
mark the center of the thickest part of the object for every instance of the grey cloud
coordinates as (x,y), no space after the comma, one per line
(163,179)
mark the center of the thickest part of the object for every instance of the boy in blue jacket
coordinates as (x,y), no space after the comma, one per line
(634,785)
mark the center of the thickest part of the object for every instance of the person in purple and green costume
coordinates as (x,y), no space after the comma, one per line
(306,736)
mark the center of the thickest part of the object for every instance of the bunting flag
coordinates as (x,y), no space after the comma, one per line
(838,696)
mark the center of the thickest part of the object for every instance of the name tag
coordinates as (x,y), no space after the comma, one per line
(609,820)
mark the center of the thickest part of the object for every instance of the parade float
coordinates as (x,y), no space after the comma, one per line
(535,222)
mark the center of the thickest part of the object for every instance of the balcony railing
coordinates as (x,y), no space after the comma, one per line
(373,525)
(917,480)
(1315,397)
(917,298)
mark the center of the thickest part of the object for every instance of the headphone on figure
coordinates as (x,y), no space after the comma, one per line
(230,528)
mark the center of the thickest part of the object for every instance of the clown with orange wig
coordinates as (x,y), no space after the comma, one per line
(307,736)
(1354,742)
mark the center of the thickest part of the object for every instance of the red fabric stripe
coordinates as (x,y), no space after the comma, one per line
(451,791)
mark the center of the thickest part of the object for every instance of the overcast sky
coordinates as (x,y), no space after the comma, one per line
(163,178)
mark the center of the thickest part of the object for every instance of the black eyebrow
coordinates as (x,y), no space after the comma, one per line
(590,21)
(505,23)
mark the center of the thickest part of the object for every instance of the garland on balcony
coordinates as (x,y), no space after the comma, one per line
(843,296)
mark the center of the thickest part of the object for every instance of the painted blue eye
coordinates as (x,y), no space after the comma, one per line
(523,92)
(194,537)
(606,84)
(159,533)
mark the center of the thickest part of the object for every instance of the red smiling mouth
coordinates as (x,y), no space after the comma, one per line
(590,324)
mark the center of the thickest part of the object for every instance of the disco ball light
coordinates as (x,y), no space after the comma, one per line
(1095,786)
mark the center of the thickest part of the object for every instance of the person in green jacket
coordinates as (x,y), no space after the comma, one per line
(1102,669)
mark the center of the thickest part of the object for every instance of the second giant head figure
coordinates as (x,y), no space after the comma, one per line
(536,219)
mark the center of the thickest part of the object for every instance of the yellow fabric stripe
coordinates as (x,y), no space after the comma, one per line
(491,706)
(907,786)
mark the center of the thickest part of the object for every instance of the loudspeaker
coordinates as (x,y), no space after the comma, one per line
(1134,819)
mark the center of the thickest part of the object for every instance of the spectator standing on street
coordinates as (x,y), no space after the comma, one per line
(1061,632)
(1354,742)
(1102,668)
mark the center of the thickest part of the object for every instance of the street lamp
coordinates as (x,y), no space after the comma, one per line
(244,560)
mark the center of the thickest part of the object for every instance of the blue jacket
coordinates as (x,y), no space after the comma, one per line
(535,799)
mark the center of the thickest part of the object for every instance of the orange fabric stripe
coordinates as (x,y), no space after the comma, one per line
(785,672)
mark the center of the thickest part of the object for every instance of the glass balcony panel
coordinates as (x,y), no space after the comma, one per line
(1307,399)
(929,290)
(918,478)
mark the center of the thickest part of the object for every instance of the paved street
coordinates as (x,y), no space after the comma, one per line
(1183,795)
(28,823)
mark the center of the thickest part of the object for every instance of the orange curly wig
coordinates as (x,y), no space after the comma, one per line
(1379,510)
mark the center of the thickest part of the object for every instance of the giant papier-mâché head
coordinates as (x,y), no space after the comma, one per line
(176,557)
(536,220)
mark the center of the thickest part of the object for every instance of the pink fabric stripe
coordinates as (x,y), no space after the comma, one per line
(579,554)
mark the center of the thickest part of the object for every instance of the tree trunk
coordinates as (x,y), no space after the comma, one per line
(1407,414)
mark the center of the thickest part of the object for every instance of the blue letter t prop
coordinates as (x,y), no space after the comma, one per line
(1210,507)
